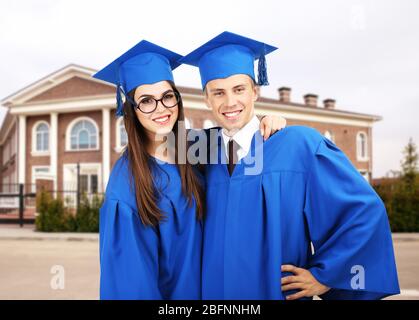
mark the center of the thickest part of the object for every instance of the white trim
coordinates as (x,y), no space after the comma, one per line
(52,83)
(118,146)
(53,138)
(22,148)
(40,153)
(34,151)
(289,112)
(359,157)
(49,81)
(106,145)
(66,106)
(15,142)
(68,135)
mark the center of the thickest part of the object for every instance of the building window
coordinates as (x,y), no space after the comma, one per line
(121,135)
(361,146)
(83,135)
(329,135)
(90,180)
(40,136)
(89,183)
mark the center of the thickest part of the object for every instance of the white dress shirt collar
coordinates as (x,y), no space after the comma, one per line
(243,137)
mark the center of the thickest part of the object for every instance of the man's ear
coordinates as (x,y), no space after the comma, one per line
(206,99)
(256,90)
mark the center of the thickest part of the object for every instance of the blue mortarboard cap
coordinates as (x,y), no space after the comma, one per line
(145,63)
(228,54)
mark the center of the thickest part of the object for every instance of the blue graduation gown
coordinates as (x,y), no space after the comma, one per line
(307,192)
(139,262)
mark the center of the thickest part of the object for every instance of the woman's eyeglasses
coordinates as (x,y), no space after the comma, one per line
(149,104)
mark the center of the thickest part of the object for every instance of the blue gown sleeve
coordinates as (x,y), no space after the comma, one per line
(128,254)
(349,228)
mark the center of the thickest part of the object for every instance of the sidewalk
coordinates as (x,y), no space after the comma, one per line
(405,236)
(27,257)
(13,232)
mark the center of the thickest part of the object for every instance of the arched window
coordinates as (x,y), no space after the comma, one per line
(329,135)
(121,134)
(82,134)
(40,137)
(361,146)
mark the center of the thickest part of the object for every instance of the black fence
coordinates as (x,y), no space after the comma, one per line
(18,201)
(13,200)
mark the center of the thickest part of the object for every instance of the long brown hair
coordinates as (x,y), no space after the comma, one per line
(139,159)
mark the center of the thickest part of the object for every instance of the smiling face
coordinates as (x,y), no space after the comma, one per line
(232,100)
(162,119)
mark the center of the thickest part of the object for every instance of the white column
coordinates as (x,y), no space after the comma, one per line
(53,147)
(22,149)
(106,143)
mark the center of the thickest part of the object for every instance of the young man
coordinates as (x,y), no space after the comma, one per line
(273,200)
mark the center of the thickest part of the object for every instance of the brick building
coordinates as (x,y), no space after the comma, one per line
(68,117)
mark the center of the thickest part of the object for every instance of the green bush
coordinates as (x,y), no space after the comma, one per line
(401,194)
(87,217)
(53,216)
(405,212)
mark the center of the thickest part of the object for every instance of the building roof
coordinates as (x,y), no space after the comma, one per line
(25,94)
(196,91)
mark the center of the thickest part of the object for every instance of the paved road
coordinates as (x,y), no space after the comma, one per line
(26,265)
(407,259)
(25,269)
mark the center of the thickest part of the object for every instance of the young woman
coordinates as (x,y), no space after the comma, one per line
(151,218)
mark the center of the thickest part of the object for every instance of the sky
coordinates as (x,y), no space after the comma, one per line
(363,54)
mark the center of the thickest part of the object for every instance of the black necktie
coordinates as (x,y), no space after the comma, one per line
(232,156)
